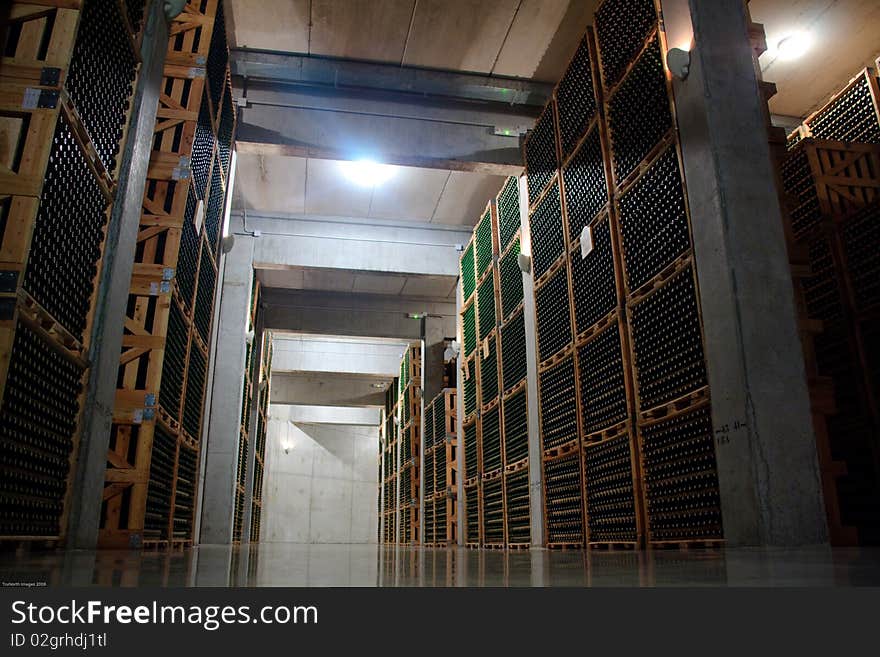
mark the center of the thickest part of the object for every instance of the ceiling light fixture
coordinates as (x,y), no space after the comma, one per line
(794,45)
(367,173)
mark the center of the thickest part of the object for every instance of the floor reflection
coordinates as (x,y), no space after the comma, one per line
(288,564)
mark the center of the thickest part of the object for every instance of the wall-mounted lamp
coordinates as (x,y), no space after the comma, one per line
(451,352)
(679,63)
(227,243)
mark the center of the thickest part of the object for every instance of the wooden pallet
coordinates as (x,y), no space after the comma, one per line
(683,404)
(565,546)
(700,544)
(556,359)
(613,546)
(561,451)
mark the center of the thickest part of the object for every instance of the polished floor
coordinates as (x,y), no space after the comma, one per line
(291,564)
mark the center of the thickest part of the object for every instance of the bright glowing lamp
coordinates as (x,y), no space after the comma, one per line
(794,45)
(368,173)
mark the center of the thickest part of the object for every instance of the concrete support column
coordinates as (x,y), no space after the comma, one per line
(536,486)
(113,288)
(767,464)
(224,414)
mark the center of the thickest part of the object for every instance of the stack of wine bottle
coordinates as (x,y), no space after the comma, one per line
(511,281)
(486,308)
(541,156)
(558,410)
(517,514)
(68,234)
(575,98)
(639,114)
(156,521)
(516,439)
(602,381)
(553,315)
(513,351)
(668,343)
(586,191)
(562,504)
(489,372)
(493,512)
(483,242)
(548,238)
(653,221)
(101,77)
(610,493)
(194,396)
(471,452)
(852,116)
(621,29)
(593,284)
(468,273)
(491,440)
(508,213)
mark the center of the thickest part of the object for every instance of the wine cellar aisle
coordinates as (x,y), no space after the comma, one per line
(596,278)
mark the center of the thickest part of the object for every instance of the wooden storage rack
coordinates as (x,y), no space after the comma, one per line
(172,295)
(42,42)
(263,397)
(585,151)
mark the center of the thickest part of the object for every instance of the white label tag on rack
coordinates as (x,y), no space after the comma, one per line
(586,241)
(154,288)
(31,98)
(138,416)
(200,217)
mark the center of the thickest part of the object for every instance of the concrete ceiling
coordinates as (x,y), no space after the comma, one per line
(520,38)
(346,280)
(295,185)
(846,37)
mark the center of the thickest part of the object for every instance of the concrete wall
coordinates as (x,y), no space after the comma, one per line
(324,489)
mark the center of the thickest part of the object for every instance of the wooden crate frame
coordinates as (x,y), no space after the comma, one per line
(624,428)
(495,475)
(864,75)
(846,176)
(511,469)
(474,489)
(194,26)
(59,36)
(36,129)
(164,212)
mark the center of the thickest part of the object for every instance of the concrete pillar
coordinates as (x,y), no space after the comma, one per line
(767,465)
(536,487)
(113,288)
(224,414)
